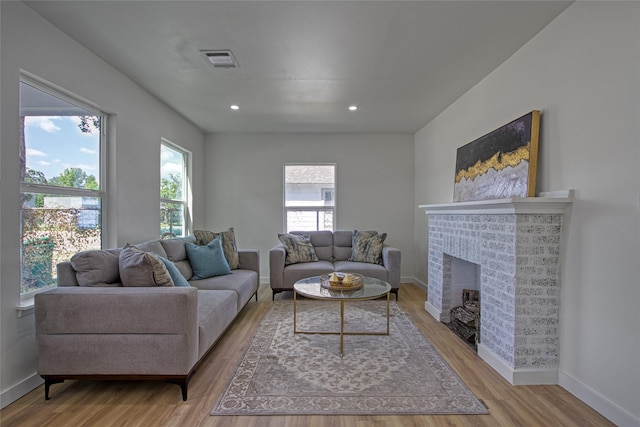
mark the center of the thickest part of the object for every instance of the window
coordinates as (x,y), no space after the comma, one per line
(309,197)
(174,192)
(61,181)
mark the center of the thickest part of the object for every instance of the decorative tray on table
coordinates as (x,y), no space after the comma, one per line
(342,281)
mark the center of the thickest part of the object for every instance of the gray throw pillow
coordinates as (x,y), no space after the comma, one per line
(140,268)
(97,267)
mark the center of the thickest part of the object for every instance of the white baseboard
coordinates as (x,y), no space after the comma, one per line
(517,376)
(418,282)
(433,311)
(17,391)
(599,403)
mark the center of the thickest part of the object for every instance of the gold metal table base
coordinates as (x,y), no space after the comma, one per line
(342,332)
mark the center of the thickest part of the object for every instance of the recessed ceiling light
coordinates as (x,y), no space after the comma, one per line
(234,107)
(353,107)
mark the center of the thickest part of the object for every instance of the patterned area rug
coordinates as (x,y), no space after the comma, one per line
(286,374)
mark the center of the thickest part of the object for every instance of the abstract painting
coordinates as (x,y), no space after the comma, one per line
(501,164)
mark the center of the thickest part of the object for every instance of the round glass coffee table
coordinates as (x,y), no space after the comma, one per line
(312,288)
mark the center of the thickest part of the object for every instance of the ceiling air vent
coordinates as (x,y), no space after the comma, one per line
(220,58)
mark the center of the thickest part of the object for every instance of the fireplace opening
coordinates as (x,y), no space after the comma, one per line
(464,318)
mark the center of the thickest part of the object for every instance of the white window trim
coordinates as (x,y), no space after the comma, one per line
(26,303)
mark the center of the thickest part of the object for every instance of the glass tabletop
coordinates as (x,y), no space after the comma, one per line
(311,287)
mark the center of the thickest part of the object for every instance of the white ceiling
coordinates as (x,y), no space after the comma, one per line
(302,63)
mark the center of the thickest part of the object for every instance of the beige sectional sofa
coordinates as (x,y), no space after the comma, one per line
(333,251)
(92,327)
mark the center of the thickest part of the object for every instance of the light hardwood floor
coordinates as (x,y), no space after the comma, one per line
(133,403)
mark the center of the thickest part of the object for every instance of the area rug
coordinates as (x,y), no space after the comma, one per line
(303,374)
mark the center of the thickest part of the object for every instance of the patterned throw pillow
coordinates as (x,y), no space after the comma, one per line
(228,239)
(298,247)
(366,246)
(140,268)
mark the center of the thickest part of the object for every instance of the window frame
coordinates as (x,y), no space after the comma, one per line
(45,189)
(186,186)
(331,208)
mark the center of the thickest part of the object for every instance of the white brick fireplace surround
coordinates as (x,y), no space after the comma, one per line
(516,243)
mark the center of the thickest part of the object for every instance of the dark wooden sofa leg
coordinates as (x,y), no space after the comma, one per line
(184,384)
(47,384)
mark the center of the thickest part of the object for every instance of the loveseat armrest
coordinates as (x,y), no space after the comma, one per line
(277,256)
(391,261)
(117,331)
(250,260)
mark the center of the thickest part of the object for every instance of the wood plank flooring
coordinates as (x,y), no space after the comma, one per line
(133,403)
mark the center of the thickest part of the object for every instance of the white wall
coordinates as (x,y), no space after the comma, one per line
(31,44)
(374,189)
(583,72)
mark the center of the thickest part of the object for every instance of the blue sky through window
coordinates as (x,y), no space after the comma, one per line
(56,143)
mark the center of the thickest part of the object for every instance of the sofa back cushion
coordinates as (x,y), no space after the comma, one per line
(342,244)
(175,248)
(97,268)
(153,246)
(177,252)
(322,242)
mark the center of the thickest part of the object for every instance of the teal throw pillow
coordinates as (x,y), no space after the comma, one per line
(176,276)
(207,261)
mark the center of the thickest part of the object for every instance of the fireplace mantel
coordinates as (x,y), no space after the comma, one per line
(516,243)
(547,203)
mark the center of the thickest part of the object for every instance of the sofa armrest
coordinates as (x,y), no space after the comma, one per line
(277,257)
(116,331)
(250,260)
(391,261)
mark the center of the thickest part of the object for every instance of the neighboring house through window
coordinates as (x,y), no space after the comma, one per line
(174,191)
(309,197)
(61,181)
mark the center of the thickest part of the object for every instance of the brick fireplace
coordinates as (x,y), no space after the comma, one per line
(516,245)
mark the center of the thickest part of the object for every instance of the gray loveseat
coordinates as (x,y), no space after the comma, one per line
(107,331)
(333,250)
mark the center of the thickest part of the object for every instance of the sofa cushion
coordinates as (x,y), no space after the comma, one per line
(342,240)
(228,239)
(207,261)
(175,249)
(140,268)
(366,246)
(216,310)
(243,282)
(298,247)
(364,268)
(295,272)
(176,276)
(153,246)
(322,242)
(97,268)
